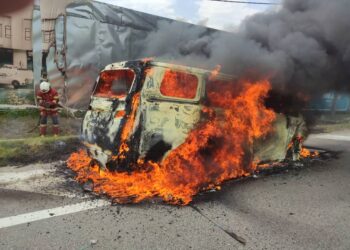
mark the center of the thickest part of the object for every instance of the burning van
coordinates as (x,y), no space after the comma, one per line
(143,110)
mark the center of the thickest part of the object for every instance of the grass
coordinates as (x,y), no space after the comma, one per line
(20,143)
(15,113)
(16,124)
(24,95)
(30,97)
(31,112)
(36,149)
(34,112)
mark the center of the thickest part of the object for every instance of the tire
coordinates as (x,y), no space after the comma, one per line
(16,84)
(293,153)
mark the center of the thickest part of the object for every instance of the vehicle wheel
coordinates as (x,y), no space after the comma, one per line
(16,84)
(294,150)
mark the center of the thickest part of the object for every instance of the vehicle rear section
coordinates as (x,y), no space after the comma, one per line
(144,121)
(109,109)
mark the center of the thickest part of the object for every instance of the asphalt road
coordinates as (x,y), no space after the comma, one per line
(307,208)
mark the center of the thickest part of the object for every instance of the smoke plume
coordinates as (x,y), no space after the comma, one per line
(303,47)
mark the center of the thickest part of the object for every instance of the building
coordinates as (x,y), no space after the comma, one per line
(16,33)
(16,38)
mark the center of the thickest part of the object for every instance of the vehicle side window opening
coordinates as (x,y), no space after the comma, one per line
(114,83)
(179,84)
(219,91)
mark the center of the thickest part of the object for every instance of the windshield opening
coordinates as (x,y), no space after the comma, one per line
(114,83)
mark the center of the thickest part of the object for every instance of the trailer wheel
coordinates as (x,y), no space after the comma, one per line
(16,84)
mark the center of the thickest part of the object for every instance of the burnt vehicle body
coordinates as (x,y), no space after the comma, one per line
(137,96)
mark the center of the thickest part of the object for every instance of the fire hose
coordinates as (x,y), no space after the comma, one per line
(58,106)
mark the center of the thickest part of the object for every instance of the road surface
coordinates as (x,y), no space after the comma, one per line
(299,209)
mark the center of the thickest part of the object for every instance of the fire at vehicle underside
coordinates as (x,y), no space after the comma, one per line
(150,135)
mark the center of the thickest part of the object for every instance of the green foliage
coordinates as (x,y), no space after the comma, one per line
(14,113)
(13,151)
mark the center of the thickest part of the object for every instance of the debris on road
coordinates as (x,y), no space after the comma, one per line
(88,186)
(93,242)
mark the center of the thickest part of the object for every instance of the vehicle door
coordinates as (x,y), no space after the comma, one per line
(170,108)
(107,108)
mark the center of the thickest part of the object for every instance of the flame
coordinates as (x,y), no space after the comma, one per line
(178,84)
(214,73)
(131,118)
(305,153)
(127,129)
(120,114)
(218,149)
(109,78)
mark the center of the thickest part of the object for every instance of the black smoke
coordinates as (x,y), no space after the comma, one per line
(303,47)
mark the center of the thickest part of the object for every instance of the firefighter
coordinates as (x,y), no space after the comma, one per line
(48,104)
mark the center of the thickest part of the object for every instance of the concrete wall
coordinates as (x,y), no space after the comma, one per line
(20,59)
(16,34)
(5,40)
(19,22)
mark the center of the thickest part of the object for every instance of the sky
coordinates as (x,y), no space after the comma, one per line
(218,15)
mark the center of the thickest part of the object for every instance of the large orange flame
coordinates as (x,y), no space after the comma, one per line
(219,149)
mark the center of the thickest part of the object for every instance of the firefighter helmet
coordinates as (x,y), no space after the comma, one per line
(45,86)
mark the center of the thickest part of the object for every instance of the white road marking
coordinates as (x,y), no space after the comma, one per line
(50,213)
(332,137)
